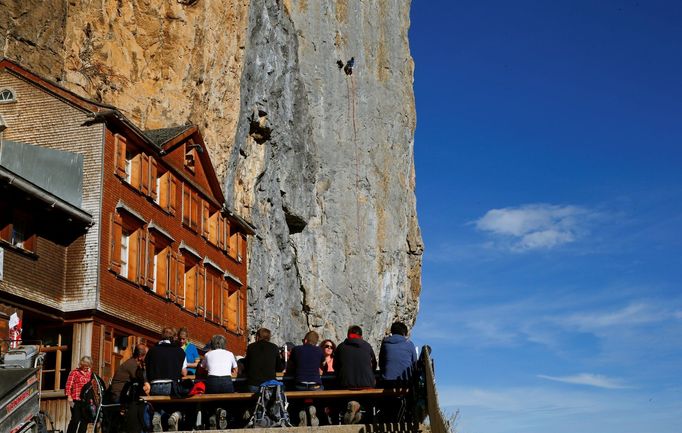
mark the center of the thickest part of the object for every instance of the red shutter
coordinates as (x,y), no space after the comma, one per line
(115,242)
(120,156)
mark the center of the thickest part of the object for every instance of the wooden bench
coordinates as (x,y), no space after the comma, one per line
(291,395)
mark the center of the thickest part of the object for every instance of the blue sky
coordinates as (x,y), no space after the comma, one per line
(549,187)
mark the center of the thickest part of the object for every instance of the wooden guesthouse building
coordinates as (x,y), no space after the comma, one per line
(107,232)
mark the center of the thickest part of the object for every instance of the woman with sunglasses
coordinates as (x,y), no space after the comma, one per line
(328,348)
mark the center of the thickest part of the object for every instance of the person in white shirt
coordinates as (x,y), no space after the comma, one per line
(221,366)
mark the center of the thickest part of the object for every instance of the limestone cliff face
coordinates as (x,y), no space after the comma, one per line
(320,161)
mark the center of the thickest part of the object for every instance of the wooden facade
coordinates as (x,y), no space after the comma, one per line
(161,249)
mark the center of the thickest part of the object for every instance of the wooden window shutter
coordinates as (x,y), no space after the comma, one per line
(241,325)
(151,252)
(162,262)
(180,280)
(115,242)
(144,174)
(234,243)
(196,211)
(135,164)
(213,230)
(153,173)
(134,255)
(232,304)
(120,156)
(209,296)
(173,194)
(242,247)
(186,204)
(201,288)
(204,218)
(219,291)
(164,190)
(222,231)
(172,290)
(191,279)
(226,304)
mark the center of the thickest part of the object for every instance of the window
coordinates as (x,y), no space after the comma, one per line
(216,231)
(7,95)
(136,168)
(237,242)
(232,319)
(17,229)
(167,192)
(190,156)
(194,279)
(161,267)
(214,286)
(191,208)
(132,249)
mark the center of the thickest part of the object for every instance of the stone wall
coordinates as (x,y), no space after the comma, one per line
(320,161)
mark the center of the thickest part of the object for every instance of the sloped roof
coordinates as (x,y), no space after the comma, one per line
(162,135)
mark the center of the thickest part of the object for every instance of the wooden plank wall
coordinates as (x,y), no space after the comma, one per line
(58,410)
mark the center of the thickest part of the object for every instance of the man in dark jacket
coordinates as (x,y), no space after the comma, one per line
(354,361)
(397,357)
(262,360)
(305,362)
(165,364)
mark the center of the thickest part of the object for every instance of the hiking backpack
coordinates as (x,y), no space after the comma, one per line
(271,407)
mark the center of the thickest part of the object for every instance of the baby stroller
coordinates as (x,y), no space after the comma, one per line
(271,407)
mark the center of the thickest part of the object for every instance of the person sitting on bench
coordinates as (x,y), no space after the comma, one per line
(305,362)
(262,360)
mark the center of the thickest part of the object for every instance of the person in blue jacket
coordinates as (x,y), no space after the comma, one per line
(397,357)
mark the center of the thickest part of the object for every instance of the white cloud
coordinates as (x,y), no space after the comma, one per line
(636,313)
(596,380)
(536,226)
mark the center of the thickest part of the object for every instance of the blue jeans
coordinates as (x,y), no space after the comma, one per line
(309,386)
(164,388)
(219,385)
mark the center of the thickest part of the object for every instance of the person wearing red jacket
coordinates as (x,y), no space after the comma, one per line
(74,384)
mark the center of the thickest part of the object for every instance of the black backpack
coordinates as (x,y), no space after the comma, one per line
(91,398)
